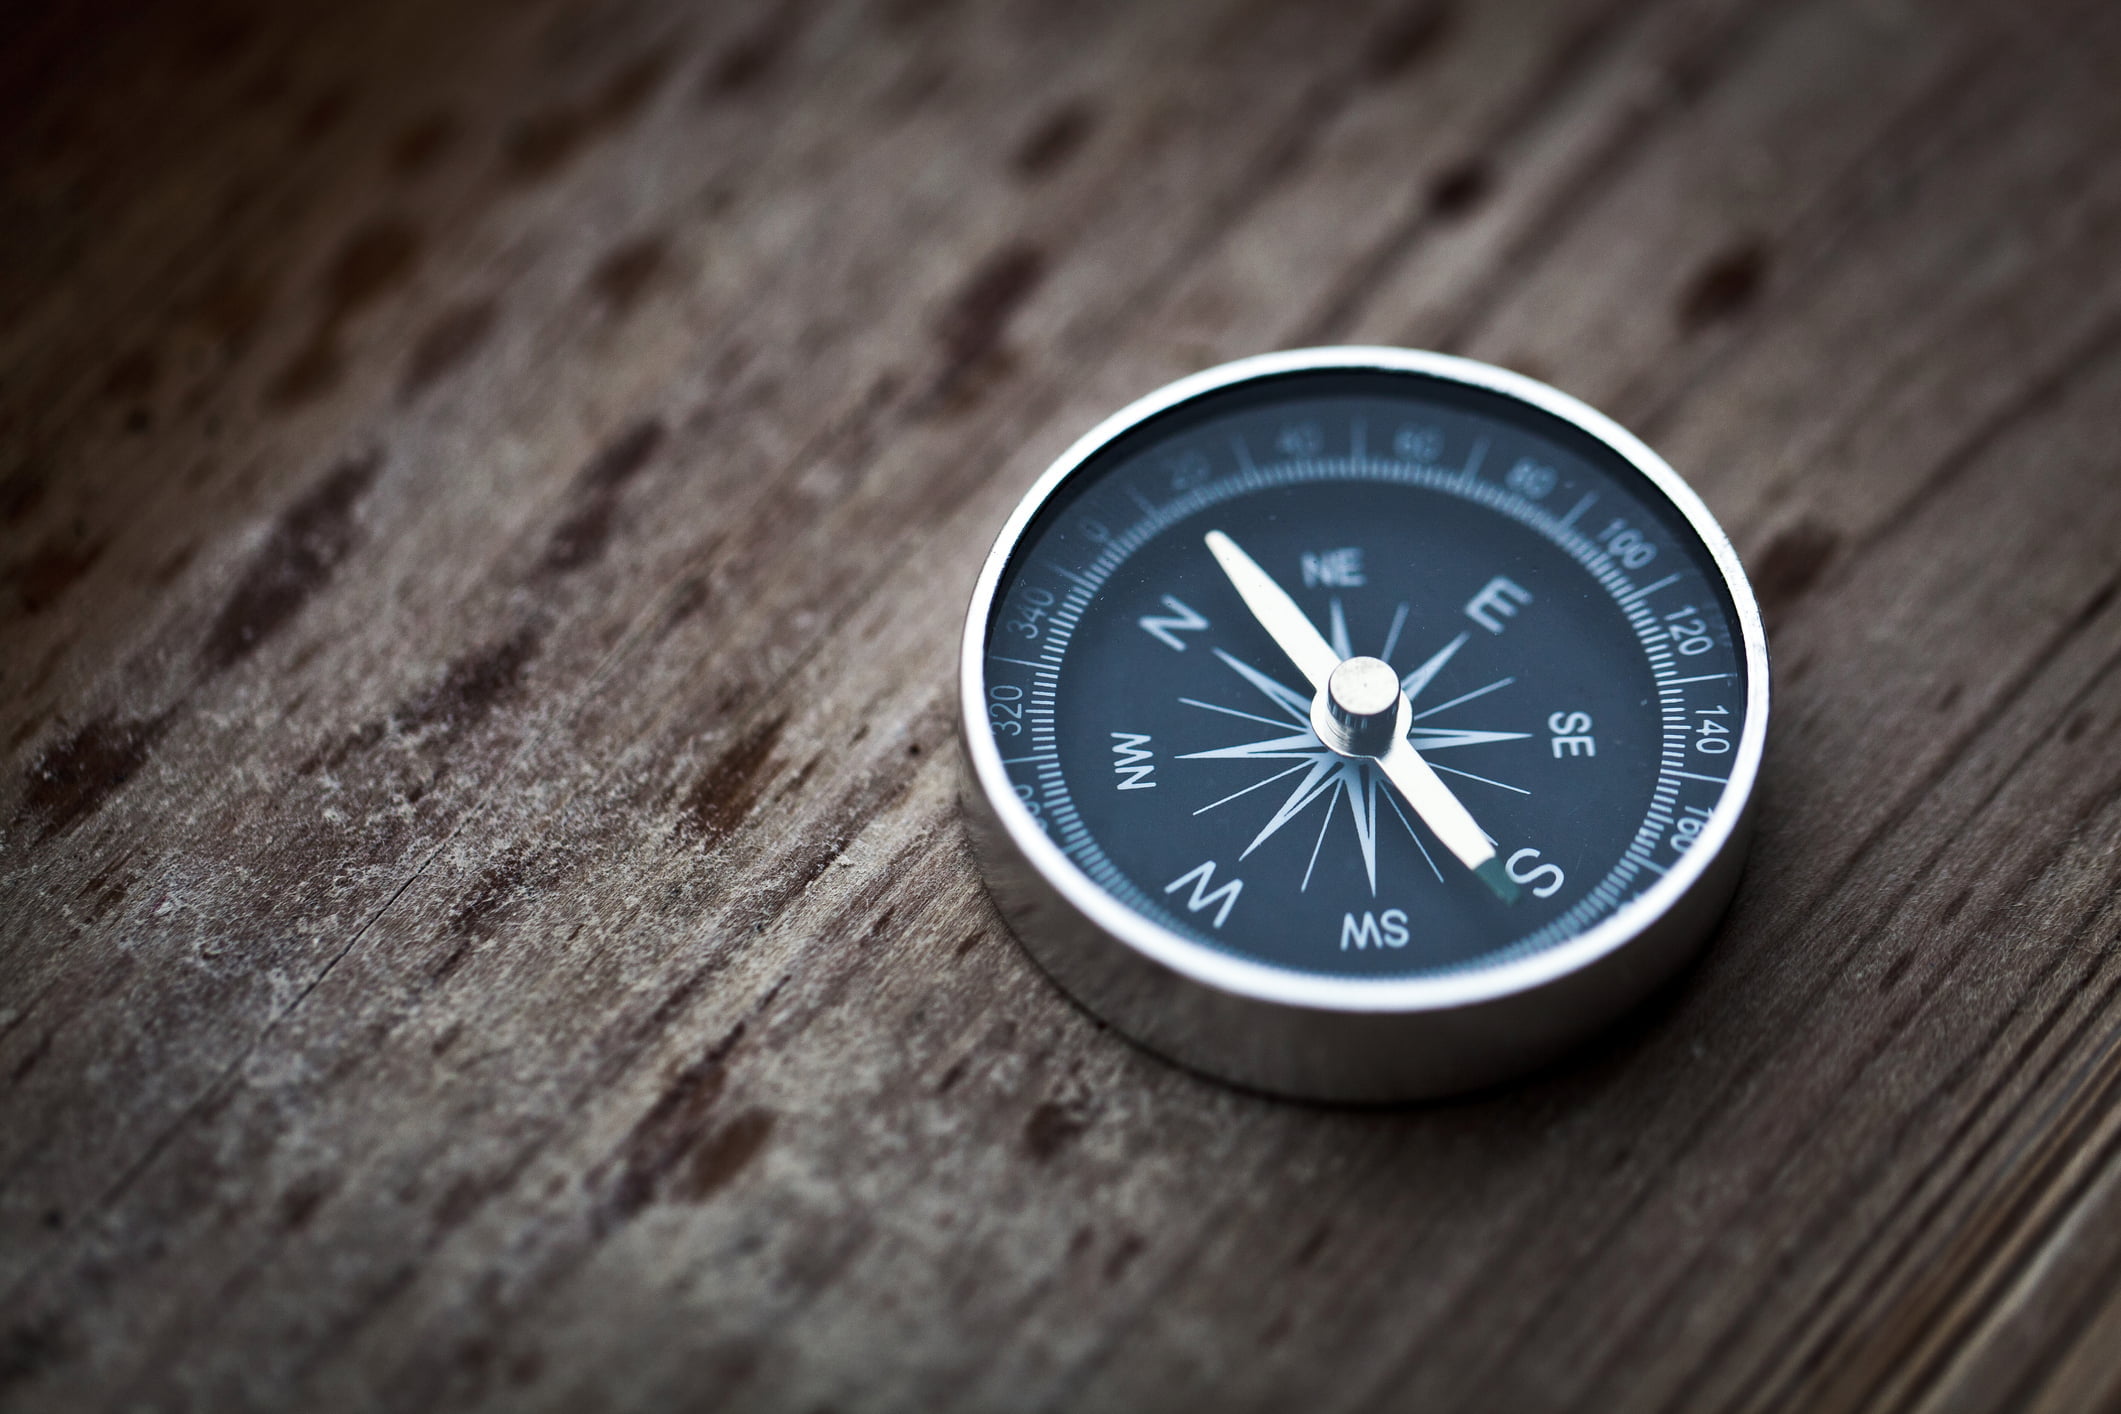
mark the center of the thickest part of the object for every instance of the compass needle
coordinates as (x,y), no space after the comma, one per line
(1168,700)
(1318,661)
(1277,613)
(1433,801)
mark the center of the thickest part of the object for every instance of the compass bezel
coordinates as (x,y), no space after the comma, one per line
(1064,918)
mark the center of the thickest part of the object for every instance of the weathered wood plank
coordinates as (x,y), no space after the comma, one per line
(438,713)
(485,919)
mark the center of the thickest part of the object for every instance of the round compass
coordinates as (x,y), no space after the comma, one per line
(1361,724)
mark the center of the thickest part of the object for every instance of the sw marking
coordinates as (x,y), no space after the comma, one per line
(1386,930)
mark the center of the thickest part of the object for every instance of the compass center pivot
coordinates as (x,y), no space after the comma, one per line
(1363,702)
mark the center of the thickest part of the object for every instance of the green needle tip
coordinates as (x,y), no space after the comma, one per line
(1491,873)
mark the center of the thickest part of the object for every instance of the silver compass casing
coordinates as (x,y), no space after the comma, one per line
(1318,1037)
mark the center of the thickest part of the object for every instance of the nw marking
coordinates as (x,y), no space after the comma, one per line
(1132,750)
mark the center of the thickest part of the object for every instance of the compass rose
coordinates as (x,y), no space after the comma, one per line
(1324,774)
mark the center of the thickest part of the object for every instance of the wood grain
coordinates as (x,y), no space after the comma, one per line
(488,495)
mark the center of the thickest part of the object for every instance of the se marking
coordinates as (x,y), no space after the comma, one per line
(1572,734)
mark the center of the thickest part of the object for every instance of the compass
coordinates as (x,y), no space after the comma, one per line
(1361,724)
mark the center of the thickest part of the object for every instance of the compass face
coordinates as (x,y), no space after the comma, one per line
(1571,663)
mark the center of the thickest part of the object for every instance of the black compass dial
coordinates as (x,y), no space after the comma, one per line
(1568,658)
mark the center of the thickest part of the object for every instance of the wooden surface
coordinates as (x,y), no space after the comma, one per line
(489,491)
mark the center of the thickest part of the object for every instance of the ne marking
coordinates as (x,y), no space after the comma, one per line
(1046,668)
(1712,780)
(1705,677)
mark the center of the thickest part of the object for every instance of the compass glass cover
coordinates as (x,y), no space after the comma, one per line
(1568,648)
